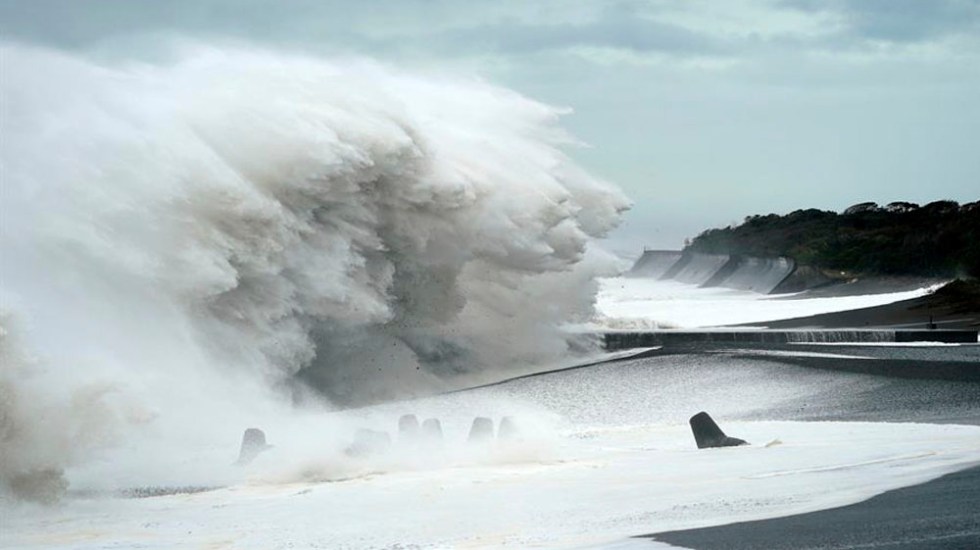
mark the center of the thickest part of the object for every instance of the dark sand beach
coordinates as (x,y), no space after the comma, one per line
(938,515)
(957,305)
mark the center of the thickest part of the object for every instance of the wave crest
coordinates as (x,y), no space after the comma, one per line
(257,219)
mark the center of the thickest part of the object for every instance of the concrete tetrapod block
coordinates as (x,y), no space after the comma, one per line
(368,442)
(707,434)
(432,430)
(481,431)
(253,443)
(508,429)
(408,427)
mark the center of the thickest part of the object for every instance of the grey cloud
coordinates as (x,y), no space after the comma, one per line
(620,26)
(81,24)
(899,21)
(378,26)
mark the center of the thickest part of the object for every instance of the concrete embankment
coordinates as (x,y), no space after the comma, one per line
(761,275)
(627,340)
(654,263)
(697,269)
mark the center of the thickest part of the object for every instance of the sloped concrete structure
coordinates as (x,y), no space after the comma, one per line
(253,444)
(432,430)
(508,430)
(481,431)
(708,435)
(762,275)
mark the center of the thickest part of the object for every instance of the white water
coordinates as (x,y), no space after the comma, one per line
(621,483)
(638,304)
(181,242)
(606,454)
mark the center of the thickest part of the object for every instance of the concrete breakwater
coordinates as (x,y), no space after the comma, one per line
(655,263)
(761,275)
(627,340)
(697,269)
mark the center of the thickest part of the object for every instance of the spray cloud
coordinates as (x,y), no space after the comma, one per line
(189,246)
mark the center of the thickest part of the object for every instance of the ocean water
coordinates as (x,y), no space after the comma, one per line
(603,453)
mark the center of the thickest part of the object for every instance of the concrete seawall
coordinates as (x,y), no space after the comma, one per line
(761,275)
(700,268)
(654,263)
(628,340)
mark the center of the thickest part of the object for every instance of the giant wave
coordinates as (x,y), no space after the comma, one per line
(192,246)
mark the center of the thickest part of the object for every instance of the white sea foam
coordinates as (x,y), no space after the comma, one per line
(616,484)
(590,468)
(638,303)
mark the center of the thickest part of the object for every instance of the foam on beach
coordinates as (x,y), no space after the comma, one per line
(599,485)
(641,303)
(604,453)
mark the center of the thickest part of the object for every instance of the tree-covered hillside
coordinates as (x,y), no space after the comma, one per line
(939,239)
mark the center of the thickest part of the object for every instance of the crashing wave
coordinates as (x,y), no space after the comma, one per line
(196,237)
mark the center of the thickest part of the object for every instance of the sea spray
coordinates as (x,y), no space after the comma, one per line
(194,248)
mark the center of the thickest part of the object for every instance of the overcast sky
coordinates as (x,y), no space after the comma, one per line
(703,111)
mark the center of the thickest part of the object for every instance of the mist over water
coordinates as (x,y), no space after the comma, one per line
(192,248)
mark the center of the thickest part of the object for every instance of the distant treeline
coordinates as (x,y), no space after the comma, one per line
(940,239)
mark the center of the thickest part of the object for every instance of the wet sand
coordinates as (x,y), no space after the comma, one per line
(941,514)
(956,305)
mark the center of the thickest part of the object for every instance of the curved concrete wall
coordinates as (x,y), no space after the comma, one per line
(761,275)
(700,268)
(756,274)
(654,263)
(803,278)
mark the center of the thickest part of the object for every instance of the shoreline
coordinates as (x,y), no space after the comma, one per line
(775,395)
(954,306)
(940,514)
(919,385)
